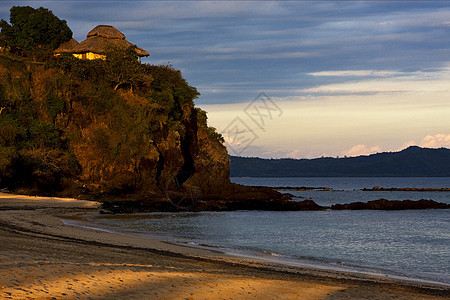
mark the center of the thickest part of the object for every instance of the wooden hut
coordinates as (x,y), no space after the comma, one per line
(100,40)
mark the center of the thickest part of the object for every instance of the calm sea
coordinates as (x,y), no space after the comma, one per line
(412,244)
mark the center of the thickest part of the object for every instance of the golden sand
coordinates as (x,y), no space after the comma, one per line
(41,258)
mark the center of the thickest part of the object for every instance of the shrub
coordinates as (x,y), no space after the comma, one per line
(54,105)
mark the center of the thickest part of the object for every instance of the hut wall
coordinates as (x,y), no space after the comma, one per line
(89,55)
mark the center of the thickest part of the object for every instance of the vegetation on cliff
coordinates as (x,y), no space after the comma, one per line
(68,124)
(33,30)
(108,128)
(112,126)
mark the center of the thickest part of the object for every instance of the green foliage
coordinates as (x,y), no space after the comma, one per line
(31,28)
(202,120)
(165,78)
(100,98)
(83,69)
(41,54)
(101,140)
(113,125)
(122,67)
(11,132)
(54,105)
(65,61)
(16,96)
(3,41)
(215,135)
(3,100)
(12,65)
(170,90)
(42,134)
(7,155)
(26,145)
(202,117)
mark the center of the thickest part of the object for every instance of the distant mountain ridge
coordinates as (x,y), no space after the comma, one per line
(410,162)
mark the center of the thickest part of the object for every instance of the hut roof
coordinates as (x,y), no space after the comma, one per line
(68,46)
(98,44)
(106,31)
(104,37)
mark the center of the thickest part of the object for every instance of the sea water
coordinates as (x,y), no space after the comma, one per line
(410,244)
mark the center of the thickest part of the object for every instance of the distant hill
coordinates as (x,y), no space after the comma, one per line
(411,162)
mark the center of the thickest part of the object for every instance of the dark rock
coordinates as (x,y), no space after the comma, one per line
(383,204)
(377,188)
(226,203)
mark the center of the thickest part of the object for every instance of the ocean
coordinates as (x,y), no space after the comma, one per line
(409,244)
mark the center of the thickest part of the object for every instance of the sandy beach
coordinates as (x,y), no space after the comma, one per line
(42,258)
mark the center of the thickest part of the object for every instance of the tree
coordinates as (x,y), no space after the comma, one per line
(31,28)
(54,106)
(122,67)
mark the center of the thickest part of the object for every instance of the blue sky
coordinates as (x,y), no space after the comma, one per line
(346,77)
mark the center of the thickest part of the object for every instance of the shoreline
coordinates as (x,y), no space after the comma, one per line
(37,243)
(251,255)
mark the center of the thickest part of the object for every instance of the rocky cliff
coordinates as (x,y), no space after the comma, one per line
(65,130)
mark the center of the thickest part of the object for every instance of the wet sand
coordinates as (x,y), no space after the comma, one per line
(42,258)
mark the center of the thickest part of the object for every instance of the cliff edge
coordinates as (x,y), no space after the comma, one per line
(68,128)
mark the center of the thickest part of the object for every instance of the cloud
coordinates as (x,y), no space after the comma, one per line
(429,141)
(390,82)
(286,46)
(355,73)
(295,154)
(361,149)
(436,141)
(277,152)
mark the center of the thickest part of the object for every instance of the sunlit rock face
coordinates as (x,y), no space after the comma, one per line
(66,129)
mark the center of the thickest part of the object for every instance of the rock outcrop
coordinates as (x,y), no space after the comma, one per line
(383,204)
(65,130)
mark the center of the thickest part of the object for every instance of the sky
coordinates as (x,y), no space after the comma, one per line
(298,79)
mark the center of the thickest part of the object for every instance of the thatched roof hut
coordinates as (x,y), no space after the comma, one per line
(101,39)
(106,31)
(67,47)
